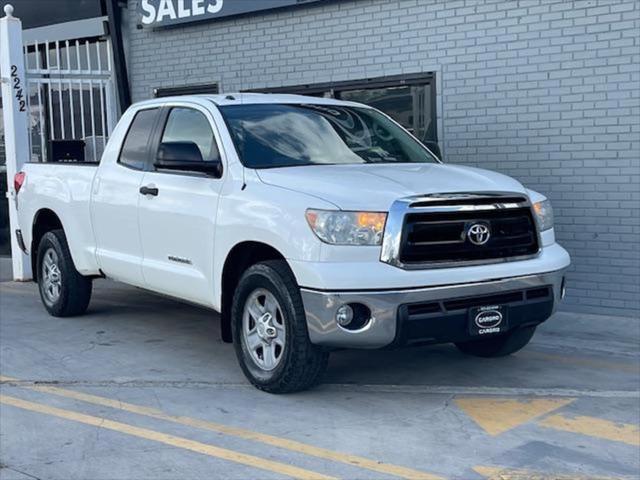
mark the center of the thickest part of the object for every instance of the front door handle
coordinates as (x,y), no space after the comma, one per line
(149,191)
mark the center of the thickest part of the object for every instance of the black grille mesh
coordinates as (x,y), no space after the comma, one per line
(442,236)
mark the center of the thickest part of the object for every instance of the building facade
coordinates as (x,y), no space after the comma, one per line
(546,91)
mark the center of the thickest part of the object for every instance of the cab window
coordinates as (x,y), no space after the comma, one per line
(189,125)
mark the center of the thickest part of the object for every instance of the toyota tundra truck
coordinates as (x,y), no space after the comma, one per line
(309,224)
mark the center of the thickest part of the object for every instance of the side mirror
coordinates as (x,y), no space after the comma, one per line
(185,157)
(434,147)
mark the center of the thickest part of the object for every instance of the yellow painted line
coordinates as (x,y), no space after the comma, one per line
(595,427)
(179,442)
(631,367)
(497,415)
(291,445)
(501,473)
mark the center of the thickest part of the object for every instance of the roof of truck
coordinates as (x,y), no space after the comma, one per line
(254,98)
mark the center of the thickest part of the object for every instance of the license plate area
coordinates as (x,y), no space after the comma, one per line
(488,320)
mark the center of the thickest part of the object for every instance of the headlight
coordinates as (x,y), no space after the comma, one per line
(347,228)
(544,214)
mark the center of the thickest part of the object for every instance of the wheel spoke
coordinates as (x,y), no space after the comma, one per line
(271,304)
(255,309)
(253,340)
(279,328)
(269,355)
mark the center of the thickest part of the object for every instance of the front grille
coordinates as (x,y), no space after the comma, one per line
(441,236)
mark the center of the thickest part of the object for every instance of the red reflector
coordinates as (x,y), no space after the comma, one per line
(18,181)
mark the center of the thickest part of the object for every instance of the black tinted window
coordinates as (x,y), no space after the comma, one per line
(188,125)
(134,150)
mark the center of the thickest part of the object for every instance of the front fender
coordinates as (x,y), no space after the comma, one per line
(266,214)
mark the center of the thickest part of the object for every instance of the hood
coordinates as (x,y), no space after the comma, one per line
(377,186)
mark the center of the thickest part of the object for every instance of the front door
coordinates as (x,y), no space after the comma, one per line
(177,217)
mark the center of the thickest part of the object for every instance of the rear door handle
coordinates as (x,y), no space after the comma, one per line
(149,191)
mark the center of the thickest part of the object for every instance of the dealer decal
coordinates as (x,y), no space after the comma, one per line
(488,320)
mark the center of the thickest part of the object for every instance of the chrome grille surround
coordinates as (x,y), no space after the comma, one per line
(449,202)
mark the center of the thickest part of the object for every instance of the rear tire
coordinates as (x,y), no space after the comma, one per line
(270,331)
(64,292)
(500,345)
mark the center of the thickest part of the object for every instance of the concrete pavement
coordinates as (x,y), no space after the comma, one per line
(141,387)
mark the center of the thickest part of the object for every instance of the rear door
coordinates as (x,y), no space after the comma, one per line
(114,201)
(177,220)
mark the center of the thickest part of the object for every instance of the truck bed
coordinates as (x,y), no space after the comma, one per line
(63,188)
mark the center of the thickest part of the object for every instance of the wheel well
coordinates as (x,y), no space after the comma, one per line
(241,257)
(44,221)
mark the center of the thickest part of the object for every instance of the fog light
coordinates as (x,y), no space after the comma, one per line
(344,315)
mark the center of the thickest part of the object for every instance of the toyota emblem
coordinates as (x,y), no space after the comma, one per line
(479,233)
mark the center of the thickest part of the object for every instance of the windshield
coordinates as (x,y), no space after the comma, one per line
(274,135)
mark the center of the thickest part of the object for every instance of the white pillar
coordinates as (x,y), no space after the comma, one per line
(16,126)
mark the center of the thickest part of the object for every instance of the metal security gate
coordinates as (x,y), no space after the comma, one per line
(57,97)
(71,96)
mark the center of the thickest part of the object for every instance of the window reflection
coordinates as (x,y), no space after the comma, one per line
(408,99)
(272,135)
(189,125)
(409,106)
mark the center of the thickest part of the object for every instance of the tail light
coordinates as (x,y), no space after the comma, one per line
(18,181)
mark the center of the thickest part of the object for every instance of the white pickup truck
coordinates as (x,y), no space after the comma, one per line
(310,224)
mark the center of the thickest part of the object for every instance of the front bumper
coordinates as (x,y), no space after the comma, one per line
(392,323)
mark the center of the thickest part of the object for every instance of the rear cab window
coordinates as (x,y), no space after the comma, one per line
(135,149)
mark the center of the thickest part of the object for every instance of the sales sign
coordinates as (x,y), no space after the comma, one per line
(158,13)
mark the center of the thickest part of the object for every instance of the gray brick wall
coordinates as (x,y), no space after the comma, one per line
(545,91)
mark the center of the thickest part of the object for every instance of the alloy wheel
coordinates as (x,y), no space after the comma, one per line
(263,329)
(51,276)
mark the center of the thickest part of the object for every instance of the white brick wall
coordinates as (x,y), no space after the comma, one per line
(545,91)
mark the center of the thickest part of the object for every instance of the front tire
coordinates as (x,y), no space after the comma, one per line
(63,290)
(500,345)
(270,331)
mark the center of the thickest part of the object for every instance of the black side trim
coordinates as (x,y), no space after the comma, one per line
(20,241)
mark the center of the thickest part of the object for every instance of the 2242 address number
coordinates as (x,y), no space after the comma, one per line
(17,86)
